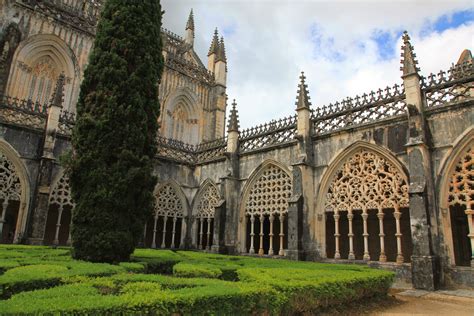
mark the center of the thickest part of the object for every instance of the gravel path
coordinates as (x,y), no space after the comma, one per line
(414,302)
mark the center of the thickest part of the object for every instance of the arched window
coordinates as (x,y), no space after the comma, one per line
(168,220)
(10,192)
(266,206)
(180,119)
(59,213)
(36,66)
(461,206)
(367,209)
(207,200)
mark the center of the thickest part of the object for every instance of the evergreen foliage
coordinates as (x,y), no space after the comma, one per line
(114,136)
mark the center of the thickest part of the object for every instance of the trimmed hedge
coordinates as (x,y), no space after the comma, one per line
(46,281)
(142,297)
(188,270)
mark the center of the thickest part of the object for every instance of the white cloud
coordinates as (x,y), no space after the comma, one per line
(270,42)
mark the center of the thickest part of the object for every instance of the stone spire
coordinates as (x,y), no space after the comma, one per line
(190,23)
(221,56)
(302,99)
(408,61)
(189,39)
(233,119)
(214,44)
(58,95)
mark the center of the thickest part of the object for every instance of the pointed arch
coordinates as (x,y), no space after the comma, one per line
(358,148)
(204,206)
(206,199)
(15,187)
(169,218)
(37,63)
(456,199)
(181,116)
(264,201)
(60,208)
(170,199)
(364,194)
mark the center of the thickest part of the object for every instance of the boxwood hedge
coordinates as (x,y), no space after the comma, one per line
(41,280)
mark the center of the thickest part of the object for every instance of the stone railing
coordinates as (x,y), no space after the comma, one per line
(275,132)
(190,154)
(66,122)
(448,87)
(23,112)
(83,14)
(189,69)
(367,108)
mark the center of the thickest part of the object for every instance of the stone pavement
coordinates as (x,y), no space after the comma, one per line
(419,302)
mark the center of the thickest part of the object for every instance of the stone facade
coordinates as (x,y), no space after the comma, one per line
(384,179)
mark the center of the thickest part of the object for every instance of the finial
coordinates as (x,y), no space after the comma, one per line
(233,119)
(57,98)
(214,44)
(221,56)
(408,61)
(190,23)
(302,99)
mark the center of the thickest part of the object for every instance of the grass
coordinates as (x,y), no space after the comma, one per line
(42,280)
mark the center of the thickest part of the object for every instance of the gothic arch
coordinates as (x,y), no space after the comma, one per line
(169,218)
(359,180)
(9,155)
(456,193)
(205,201)
(37,63)
(181,116)
(59,211)
(265,195)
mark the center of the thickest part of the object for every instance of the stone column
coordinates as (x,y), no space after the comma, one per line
(47,161)
(231,186)
(425,266)
(295,227)
(303,184)
(218,245)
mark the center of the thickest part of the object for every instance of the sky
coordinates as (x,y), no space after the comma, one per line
(345,48)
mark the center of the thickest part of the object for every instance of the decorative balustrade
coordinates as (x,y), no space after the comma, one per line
(350,112)
(190,154)
(448,87)
(66,122)
(273,133)
(189,69)
(23,112)
(81,13)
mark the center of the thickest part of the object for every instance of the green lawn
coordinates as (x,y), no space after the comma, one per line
(38,280)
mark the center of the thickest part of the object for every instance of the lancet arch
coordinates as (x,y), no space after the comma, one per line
(456,199)
(60,212)
(181,116)
(36,65)
(205,202)
(167,228)
(14,195)
(364,195)
(264,210)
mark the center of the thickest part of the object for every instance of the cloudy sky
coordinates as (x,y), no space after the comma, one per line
(344,47)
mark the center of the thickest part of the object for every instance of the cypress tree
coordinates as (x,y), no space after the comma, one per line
(111,168)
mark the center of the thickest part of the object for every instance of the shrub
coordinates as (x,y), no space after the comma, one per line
(191,270)
(112,183)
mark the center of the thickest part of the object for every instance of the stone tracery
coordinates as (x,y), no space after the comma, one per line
(61,196)
(268,198)
(367,181)
(461,193)
(168,206)
(10,188)
(208,199)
